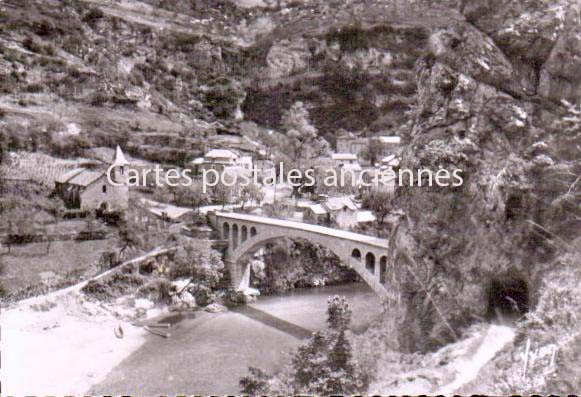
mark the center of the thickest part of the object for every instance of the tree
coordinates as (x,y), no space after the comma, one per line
(197,260)
(252,193)
(322,366)
(342,379)
(338,313)
(304,143)
(256,383)
(221,194)
(372,151)
(191,195)
(270,139)
(310,364)
(378,201)
(129,236)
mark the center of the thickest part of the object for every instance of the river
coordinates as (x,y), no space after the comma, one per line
(208,354)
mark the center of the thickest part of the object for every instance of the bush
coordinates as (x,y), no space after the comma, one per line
(112,286)
(44,28)
(203,295)
(33,88)
(186,42)
(99,99)
(158,291)
(93,15)
(30,44)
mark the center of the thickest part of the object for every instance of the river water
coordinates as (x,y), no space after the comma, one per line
(209,353)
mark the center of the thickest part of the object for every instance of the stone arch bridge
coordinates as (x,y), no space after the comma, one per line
(246,234)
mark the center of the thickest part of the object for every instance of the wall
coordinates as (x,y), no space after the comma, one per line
(116,197)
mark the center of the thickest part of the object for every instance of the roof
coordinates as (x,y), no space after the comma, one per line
(199,160)
(245,159)
(352,166)
(338,203)
(167,210)
(388,158)
(214,153)
(344,156)
(119,158)
(389,139)
(80,177)
(365,217)
(85,178)
(63,178)
(318,209)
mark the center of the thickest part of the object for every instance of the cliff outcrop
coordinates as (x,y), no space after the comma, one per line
(489,103)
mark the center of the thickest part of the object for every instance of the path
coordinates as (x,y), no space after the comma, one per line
(447,370)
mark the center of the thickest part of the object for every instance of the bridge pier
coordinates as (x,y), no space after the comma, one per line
(239,274)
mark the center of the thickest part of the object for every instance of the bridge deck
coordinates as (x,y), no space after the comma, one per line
(327,231)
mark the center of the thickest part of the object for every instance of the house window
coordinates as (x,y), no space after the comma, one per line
(104,188)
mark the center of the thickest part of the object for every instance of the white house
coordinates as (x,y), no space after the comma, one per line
(346,160)
(219,159)
(341,210)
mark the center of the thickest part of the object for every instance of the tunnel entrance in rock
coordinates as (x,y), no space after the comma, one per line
(508,298)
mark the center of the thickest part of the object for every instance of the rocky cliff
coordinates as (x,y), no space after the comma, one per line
(489,103)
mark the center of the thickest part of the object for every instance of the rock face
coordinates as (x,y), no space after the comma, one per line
(350,76)
(487,104)
(285,58)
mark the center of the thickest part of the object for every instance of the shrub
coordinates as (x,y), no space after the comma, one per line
(32,88)
(99,99)
(158,291)
(44,28)
(185,42)
(112,286)
(93,15)
(30,44)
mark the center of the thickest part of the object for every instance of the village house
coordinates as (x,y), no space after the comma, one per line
(339,210)
(163,216)
(384,145)
(220,159)
(348,142)
(90,189)
(346,160)
(388,144)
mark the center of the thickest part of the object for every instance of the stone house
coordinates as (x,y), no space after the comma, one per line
(90,189)
(220,159)
(340,210)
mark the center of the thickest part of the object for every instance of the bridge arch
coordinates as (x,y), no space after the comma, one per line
(235,236)
(383,269)
(370,262)
(226,231)
(252,231)
(356,254)
(243,233)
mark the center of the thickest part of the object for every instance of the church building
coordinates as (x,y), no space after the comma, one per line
(90,189)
